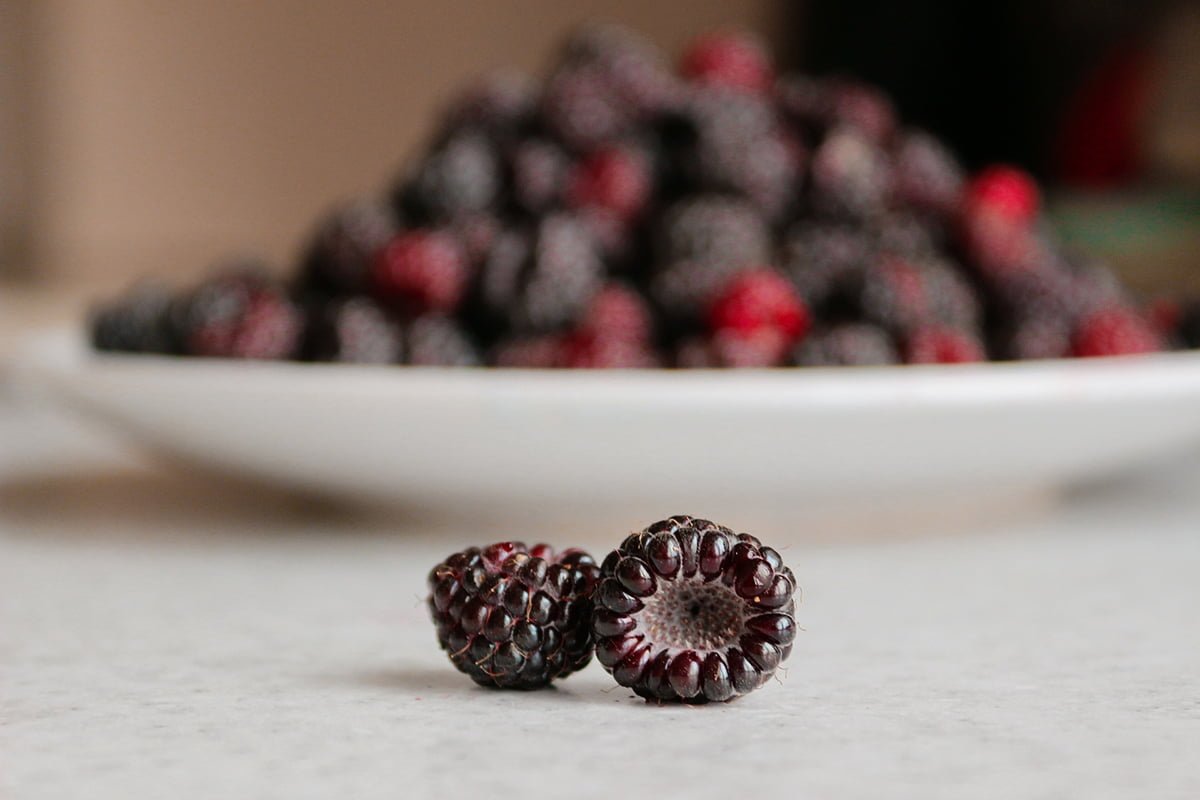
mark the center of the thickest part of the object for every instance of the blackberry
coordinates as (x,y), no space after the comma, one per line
(951,298)
(850,176)
(731,60)
(136,322)
(686,290)
(804,102)
(514,617)
(461,176)
(542,279)
(927,176)
(633,66)
(355,331)
(583,107)
(539,175)
(435,340)
(421,270)
(238,314)
(847,344)
(894,295)
(339,257)
(1031,336)
(862,107)
(714,229)
(826,262)
(754,349)
(500,104)
(687,610)
(905,235)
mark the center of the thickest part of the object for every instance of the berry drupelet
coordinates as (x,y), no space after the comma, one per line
(514,617)
(687,610)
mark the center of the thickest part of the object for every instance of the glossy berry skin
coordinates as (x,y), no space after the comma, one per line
(1114,331)
(421,270)
(688,611)
(514,617)
(731,60)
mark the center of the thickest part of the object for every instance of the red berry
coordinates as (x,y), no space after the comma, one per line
(760,299)
(1003,191)
(589,350)
(615,179)
(1114,331)
(422,270)
(933,344)
(733,60)
(618,312)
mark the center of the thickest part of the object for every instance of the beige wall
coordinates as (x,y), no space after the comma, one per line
(168,132)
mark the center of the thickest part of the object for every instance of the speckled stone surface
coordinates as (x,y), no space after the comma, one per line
(158,641)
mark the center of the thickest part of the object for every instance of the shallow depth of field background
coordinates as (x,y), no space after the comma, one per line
(145,136)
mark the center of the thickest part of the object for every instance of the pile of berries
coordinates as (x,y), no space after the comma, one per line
(624,214)
(683,611)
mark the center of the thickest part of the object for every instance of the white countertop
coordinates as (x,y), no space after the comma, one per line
(165,638)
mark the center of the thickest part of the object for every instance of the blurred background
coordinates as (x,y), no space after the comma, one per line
(144,136)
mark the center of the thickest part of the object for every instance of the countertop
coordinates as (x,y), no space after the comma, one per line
(168,637)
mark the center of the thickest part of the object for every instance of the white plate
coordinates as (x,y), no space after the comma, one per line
(521,443)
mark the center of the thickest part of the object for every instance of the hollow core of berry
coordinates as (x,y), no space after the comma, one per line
(689,611)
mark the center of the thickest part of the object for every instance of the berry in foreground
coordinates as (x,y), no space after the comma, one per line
(514,617)
(689,611)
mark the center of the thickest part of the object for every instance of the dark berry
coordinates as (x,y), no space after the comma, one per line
(862,107)
(542,279)
(355,331)
(239,314)
(136,322)
(340,256)
(584,108)
(732,60)
(935,344)
(826,262)
(927,176)
(421,270)
(461,176)
(514,617)
(850,176)
(687,610)
(633,66)
(500,104)
(714,229)
(757,299)
(1032,336)
(435,340)
(539,175)
(855,344)
(1115,331)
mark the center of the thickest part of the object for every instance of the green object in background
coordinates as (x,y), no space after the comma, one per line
(1151,238)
